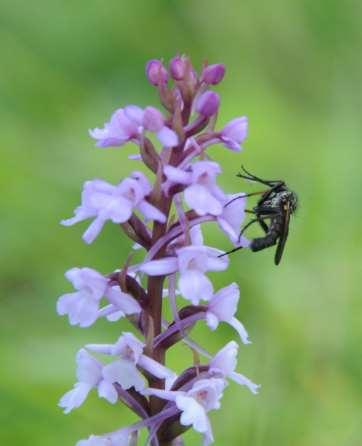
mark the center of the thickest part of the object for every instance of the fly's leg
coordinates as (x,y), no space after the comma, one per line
(244,196)
(249,176)
(263,225)
(254,220)
(259,220)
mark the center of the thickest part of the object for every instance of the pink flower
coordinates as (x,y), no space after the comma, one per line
(119,130)
(103,201)
(82,306)
(128,124)
(232,216)
(224,364)
(201,193)
(122,304)
(222,308)
(204,395)
(192,262)
(90,375)
(124,371)
(234,133)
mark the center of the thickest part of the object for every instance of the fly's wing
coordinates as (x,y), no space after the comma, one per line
(283,234)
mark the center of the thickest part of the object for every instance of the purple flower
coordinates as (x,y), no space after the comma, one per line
(122,304)
(192,262)
(202,193)
(213,74)
(207,104)
(156,73)
(204,395)
(89,375)
(103,201)
(82,306)
(234,133)
(129,124)
(121,128)
(123,371)
(232,216)
(224,364)
(222,308)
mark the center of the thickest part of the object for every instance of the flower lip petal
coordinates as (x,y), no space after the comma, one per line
(195,286)
(75,397)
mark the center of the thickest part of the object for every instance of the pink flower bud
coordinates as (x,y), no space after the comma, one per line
(207,104)
(213,74)
(178,67)
(156,73)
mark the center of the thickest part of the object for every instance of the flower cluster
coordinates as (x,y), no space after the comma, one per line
(164,218)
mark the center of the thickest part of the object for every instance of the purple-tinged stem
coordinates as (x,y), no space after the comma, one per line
(181,325)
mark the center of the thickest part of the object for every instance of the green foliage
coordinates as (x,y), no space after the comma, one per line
(294,69)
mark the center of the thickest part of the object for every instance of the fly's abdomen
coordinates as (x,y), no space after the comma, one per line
(260,243)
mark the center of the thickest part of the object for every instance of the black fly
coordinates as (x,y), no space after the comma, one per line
(276,205)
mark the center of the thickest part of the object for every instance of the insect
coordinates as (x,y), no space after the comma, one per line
(272,212)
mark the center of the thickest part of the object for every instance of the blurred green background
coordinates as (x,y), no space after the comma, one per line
(295,69)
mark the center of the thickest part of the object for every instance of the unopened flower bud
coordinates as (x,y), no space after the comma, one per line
(156,73)
(207,103)
(178,67)
(213,74)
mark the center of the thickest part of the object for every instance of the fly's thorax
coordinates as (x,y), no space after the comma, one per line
(280,199)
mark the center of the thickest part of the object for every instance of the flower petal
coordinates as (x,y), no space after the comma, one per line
(151,212)
(244,381)
(124,373)
(88,368)
(167,137)
(239,327)
(160,267)
(195,286)
(202,201)
(192,413)
(93,230)
(107,391)
(75,397)
(225,359)
(177,175)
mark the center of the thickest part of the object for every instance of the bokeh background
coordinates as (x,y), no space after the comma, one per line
(295,69)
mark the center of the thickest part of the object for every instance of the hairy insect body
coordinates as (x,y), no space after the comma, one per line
(276,205)
(272,213)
